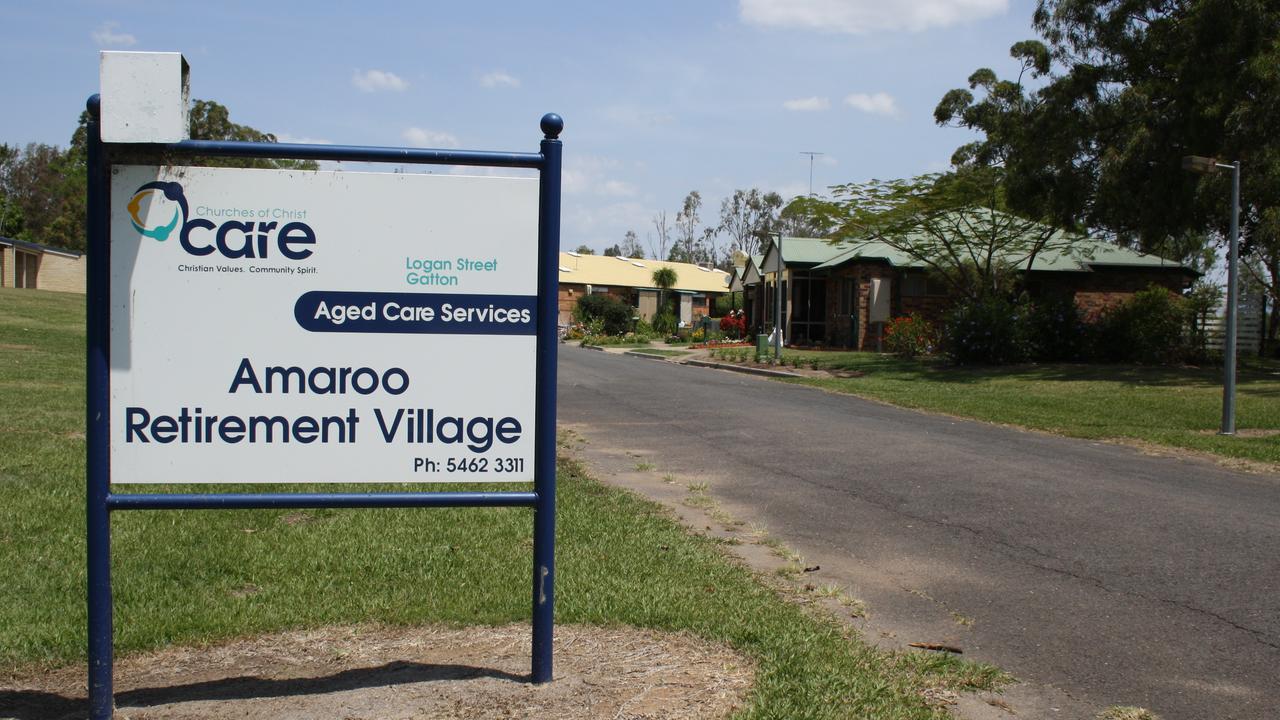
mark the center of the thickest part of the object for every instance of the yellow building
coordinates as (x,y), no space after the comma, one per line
(631,281)
(40,267)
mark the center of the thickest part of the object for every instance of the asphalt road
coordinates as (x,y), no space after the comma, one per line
(1092,570)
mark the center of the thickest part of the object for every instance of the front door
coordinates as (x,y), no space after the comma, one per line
(845,328)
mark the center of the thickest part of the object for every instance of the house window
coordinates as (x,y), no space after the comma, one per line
(597,290)
(848,293)
(921,285)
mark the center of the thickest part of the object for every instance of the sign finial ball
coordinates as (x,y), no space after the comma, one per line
(552,124)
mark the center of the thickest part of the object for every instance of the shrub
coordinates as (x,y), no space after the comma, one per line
(1150,327)
(734,325)
(664,323)
(645,330)
(910,336)
(987,330)
(727,303)
(1055,330)
(614,314)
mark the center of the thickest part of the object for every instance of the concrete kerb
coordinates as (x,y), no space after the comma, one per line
(742,369)
(696,362)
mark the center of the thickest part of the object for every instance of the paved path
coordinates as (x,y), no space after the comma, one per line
(1092,571)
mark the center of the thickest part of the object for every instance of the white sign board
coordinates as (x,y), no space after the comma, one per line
(288,326)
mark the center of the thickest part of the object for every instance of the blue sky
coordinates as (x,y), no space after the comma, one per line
(659,98)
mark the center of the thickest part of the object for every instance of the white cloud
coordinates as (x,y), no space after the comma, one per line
(857,17)
(877,104)
(635,117)
(498,78)
(421,137)
(106,35)
(603,225)
(808,104)
(375,80)
(590,175)
(616,188)
(291,138)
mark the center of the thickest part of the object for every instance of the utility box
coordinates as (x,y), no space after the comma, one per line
(879,300)
(145,97)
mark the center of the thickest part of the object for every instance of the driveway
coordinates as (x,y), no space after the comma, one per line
(1099,575)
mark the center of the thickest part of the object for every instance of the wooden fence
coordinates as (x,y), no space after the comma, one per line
(1250,326)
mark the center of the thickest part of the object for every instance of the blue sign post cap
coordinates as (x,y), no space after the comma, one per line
(552,124)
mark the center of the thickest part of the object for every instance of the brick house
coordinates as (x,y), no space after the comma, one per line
(841,295)
(631,281)
(33,266)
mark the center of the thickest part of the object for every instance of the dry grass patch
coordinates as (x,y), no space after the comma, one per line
(393,673)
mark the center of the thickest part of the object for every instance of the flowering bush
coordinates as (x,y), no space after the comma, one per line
(910,336)
(734,324)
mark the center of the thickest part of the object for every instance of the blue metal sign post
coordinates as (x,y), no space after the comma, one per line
(100,501)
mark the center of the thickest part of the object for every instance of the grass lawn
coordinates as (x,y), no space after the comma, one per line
(196,576)
(1176,406)
(617,344)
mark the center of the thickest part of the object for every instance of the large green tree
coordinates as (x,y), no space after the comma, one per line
(1091,130)
(957,225)
(42,195)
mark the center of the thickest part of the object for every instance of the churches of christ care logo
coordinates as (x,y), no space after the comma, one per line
(159,208)
(157,197)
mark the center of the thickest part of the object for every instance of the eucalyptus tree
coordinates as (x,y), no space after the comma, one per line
(1091,130)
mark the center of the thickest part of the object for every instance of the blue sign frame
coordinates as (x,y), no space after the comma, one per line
(100,501)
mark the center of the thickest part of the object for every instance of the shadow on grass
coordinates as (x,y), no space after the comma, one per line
(39,705)
(938,370)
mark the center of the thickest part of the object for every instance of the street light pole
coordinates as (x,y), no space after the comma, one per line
(1229,350)
(777,303)
(1198,164)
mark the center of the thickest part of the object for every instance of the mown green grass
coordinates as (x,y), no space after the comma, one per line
(1179,407)
(201,576)
(615,344)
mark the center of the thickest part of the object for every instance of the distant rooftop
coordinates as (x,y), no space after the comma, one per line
(608,271)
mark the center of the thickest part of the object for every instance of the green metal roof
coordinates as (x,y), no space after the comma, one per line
(1072,254)
(868,250)
(806,251)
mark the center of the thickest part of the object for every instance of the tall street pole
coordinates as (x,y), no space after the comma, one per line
(1208,165)
(777,304)
(1229,349)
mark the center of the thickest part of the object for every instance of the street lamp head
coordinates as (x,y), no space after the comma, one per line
(1198,164)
